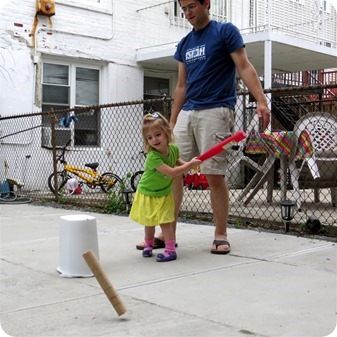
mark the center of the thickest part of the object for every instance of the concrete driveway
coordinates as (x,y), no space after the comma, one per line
(269,285)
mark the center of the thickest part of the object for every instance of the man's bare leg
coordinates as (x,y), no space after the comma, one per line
(219,202)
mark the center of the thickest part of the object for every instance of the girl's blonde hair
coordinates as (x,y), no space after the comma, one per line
(153,120)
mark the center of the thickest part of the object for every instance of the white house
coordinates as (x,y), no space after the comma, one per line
(61,53)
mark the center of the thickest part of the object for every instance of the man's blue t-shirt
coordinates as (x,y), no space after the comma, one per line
(211,79)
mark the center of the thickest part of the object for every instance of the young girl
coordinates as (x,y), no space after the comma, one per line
(153,202)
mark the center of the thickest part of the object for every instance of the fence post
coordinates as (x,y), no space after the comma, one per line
(166,107)
(53,143)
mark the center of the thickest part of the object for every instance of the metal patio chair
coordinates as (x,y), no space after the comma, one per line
(263,168)
(322,128)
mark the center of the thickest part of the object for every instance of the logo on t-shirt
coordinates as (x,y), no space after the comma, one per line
(196,54)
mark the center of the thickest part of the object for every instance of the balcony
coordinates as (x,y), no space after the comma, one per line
(303,35)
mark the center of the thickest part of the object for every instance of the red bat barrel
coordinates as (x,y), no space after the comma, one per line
(216,149)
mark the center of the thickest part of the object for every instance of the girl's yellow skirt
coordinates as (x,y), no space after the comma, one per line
(152,211)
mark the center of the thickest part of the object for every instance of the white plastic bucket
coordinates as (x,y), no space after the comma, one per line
(77,235)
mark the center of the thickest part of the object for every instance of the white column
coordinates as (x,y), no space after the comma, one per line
(268,69)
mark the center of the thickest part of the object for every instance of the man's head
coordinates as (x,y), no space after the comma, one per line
(196,12)
(202,2)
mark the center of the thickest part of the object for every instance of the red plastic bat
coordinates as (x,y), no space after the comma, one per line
(216,149)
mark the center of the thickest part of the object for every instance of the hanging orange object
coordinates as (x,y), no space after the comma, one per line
(45,7)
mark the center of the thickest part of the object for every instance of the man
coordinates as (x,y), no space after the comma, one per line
(204,100)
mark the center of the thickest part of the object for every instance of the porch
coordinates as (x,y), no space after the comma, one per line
(280,37)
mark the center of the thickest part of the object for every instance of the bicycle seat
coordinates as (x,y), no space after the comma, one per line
(92,165)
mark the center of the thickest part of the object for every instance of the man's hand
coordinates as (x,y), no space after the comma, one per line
(264,116)
(172,124)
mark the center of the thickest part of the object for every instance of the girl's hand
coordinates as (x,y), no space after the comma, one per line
(195,161)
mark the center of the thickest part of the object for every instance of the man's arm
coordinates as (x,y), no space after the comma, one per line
(249,76)
(179,94)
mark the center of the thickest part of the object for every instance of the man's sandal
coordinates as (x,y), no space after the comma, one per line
(158,243)
(218,243)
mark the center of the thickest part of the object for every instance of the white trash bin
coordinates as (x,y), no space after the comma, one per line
(78,234)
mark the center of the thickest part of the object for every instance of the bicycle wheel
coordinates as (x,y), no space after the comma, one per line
(62,178)
(135,179)
(110,181)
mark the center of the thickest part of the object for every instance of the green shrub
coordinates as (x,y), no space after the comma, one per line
(114,203)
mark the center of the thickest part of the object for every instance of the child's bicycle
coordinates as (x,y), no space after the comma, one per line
(88,176)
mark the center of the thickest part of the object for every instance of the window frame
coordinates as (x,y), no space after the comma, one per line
(72,66)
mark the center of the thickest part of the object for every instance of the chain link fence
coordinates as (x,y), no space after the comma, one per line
(108,138)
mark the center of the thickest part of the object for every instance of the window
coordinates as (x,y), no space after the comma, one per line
(73,85)
(177,11)
(219,10)
(326,6)
(157,87)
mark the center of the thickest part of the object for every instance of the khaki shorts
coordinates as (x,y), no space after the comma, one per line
(196,131)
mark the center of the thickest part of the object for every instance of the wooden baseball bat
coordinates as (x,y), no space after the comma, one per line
(216,149)
(95,266)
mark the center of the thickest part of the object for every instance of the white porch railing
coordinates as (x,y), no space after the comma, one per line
(163,24)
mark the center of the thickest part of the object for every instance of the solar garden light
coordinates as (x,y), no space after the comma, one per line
(287,212)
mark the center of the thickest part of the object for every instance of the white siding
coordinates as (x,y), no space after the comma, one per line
(86,31)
